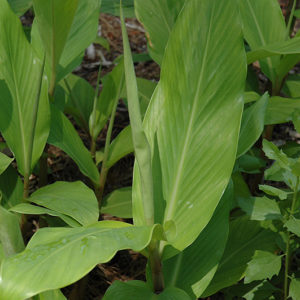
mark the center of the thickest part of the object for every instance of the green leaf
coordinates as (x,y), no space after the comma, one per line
(291,46)
(136,290)
(80,99)
(5,161)
(260,208)
(10,233)
(264,265)
(192,105)
(102,42)
(20,6)
(294,291)
(272,191)
(82,34)
(193,272)
(263,24)
(296,120)
(52,295)
(293,225)
(252,124)
(121,146)
(251,164)
(281,110)
(158,17)
(64,136)
(24,128)
(118,203)
(112,7)
(54,20)
(11,187)
(251,97)
(272,152)
(245,237)
(29,209)
(73,199)
(50,260)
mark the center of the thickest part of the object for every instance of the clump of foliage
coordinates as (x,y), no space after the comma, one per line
(195,135)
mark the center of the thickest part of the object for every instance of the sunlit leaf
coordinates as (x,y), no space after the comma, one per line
(264,265)
(193,114)
(50,260)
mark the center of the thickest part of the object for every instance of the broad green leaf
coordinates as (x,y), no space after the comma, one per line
(141,145)
(10,233)
(52,295)
(118,203)
(263,24)
(24,119)
(83,32)
(291,46)
(103,106)
(158,18)
(73,199)
(272,152)
(264,265)
(54,20)
(194,267)
(11,187)
(260,208)
(50,260)
(251,164)
(29,209)
(64,136)
(80,99)
(251,97)
(281,110)
(5,161)
(113,7)
(192,105)
(121,146)
(20,6)
(135,290)
(245,237)
(287,62)
(272,191)
(292,86)
(293,225)
(294,291)
(252,124)
(296,120)
(241,188)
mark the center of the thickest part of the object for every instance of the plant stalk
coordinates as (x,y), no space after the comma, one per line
(104,167)
(287,252)
(156,268)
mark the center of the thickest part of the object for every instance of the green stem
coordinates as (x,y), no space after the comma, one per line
(95,105)
(104,167)
(290,17)
(287,252)
(156,268)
